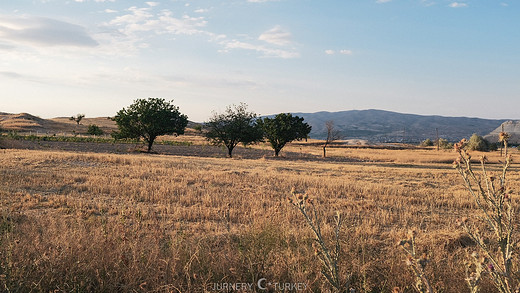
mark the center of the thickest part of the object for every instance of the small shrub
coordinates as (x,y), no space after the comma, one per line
(427,142)
(477,143)
(93,129)
(445,144)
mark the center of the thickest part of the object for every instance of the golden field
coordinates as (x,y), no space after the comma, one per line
(83,222)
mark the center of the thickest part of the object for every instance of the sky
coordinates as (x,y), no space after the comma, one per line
(432,57)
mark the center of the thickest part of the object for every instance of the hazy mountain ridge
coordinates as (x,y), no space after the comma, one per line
(387,126)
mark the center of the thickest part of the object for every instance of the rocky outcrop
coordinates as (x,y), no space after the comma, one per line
(511,127)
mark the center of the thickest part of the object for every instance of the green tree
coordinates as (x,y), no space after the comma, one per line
(477,143)
(427,142)
(149,119)
(236,125)
(282,129)
(93,129)
(77,118)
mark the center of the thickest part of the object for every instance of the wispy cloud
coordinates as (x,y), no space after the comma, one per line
(265,51)
(383,1)
(152,4)
(342,52)
(40,31)
(276,36)
(143,20)
(458,5)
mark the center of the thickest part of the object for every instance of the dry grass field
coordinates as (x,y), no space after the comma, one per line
(83,222)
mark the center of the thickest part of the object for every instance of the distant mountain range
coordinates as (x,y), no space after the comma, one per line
(386,126)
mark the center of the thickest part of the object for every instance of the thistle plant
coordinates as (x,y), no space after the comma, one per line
(493,199)
(416,263)
(328,256)
(475,268)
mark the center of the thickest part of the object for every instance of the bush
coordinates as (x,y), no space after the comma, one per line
(444,144)
(477,143)
(427,142)
(93,129)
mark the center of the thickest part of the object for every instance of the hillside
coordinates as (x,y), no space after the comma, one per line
(25,122)
(511,127)
(386,126)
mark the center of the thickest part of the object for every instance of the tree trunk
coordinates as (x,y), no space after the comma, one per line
(230,151)
(276,152)
(324,152)
(150,143)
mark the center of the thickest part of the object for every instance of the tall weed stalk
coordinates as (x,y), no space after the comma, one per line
(493,199)
(327,253)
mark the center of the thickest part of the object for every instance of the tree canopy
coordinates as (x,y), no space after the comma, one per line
(150,118)
(235,125)
(282,129)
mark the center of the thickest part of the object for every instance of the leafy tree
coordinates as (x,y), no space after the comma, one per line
(149,119)
(93,129)
(477,143)
(236,125)
(77,118)
(284,128)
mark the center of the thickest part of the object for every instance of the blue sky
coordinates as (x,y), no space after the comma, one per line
(441,57)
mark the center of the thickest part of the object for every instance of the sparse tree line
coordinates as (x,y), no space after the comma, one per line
(150,118)
(475,143)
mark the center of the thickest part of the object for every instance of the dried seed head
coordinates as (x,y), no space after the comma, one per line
(474,254)
(300,196)
(412,233)
(409,261)
(503,136)
(310,201)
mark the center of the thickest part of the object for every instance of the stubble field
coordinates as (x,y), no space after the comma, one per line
(103,222)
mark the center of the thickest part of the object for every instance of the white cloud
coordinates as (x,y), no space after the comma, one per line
(110,11)
(201,10)
(343,52)
(152,4)
(276,36)
(267,52)
(383,1)
(142,20)
(40,31)
(458,5)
